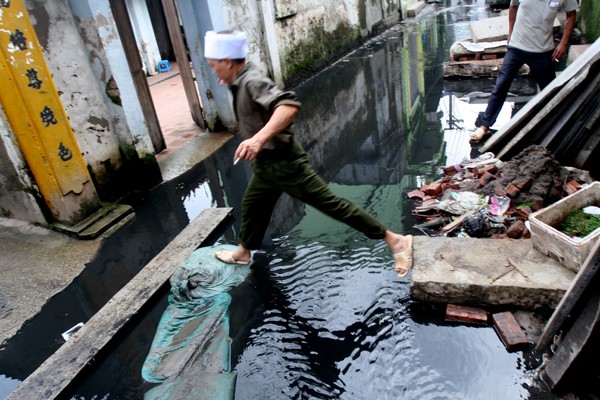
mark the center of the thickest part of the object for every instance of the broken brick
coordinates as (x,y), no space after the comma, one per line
(571,187)
(466,314)
(416,194)
(492,169)
(433,189)
(499,192)
(509,330)
(524,184)
(512,191)
(575,184)
(523,212)
(516,230)
(428,201)
(538,204)
(485,178)
(451,169)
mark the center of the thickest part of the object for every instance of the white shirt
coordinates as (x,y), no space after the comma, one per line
(534,23)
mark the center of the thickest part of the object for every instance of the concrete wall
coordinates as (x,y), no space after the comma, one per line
(84,53)
(290,40)
(66,55)
(144,34)
(296,38)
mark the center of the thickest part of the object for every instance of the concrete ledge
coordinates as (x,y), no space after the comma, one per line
(478,272)
(415,8)
(489,29)
(576,50)
(36,263)
(53,376)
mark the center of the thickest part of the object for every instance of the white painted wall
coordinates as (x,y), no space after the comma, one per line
(272,39)
(144,35)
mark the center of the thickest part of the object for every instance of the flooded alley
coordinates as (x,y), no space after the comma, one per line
(322,315)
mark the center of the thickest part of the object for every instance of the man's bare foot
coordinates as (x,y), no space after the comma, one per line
(395,242)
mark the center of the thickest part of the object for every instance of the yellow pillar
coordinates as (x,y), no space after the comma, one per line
(36,116)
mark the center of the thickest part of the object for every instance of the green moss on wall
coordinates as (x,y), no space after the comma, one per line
(362,14)
(589,19)
(310,56)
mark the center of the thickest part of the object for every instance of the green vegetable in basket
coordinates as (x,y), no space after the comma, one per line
(579,223)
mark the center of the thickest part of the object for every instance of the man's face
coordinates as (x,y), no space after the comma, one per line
(223,69)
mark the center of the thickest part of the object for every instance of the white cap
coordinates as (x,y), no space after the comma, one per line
(230,44)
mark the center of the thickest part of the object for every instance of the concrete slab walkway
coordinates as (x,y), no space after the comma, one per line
(480,272)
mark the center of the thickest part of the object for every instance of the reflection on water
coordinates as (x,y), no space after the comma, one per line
(323,315)
(330,319)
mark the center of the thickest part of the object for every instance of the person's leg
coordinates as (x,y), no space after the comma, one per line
(513,61)
(300,181)
(257,207)
(542,68)
(305,185)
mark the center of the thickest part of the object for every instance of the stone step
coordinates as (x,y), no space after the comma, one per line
(472,271)
(107,217)
(415,8)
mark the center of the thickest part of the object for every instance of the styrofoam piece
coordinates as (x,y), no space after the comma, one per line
(71,332)
(556,244)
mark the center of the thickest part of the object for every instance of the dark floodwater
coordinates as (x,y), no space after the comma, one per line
(322,316)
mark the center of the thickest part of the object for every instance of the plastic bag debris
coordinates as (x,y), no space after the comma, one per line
(458,203)
(71,332)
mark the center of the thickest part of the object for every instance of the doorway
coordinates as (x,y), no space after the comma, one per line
(170,97)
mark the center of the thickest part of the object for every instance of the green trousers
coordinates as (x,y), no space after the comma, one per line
(288,171)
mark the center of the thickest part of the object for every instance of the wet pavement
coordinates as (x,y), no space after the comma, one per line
(38,263)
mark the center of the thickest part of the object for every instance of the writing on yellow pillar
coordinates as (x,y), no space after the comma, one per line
(34,110)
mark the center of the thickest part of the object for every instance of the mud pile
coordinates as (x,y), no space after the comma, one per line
(486,197)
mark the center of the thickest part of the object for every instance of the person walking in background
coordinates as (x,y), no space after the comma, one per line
(265,115)
(530,41)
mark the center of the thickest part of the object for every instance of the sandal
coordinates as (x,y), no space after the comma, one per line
(479,134)
(226,256)
(404,259)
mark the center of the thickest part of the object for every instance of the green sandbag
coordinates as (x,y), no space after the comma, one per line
(193,333)
(209,386)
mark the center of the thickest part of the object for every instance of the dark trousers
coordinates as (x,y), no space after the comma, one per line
(288,171)
(542,70)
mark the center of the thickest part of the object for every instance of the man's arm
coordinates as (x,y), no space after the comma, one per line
(561,49)
(282,117)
